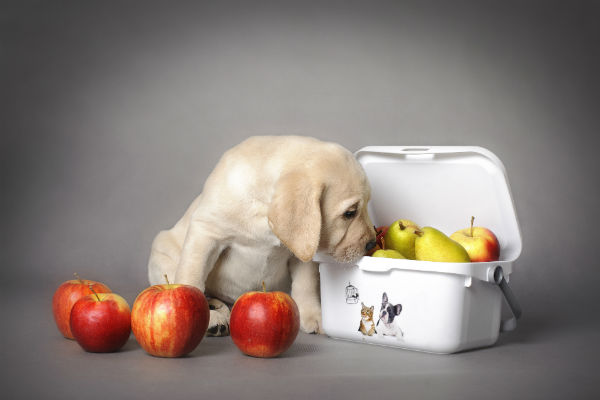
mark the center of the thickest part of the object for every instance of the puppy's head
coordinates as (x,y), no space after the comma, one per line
(322,205)
(388,311)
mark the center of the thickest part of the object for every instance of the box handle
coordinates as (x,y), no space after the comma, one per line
(510,323)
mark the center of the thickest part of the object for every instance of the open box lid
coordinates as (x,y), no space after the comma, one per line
(442,186)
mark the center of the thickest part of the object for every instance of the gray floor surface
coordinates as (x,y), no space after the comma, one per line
(543,359)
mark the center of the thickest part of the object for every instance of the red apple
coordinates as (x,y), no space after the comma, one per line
(170,320)
(481,243)
(264,324)
(66,295)
(101,322)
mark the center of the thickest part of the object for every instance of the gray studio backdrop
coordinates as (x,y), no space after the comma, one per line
(113,115)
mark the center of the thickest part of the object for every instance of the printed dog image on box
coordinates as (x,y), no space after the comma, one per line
(390,325)
(269,205)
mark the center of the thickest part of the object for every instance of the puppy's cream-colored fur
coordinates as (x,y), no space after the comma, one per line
(268,206)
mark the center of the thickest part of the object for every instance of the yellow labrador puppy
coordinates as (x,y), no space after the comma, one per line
(268,206)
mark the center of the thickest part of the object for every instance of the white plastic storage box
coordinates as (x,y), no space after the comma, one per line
(443,307)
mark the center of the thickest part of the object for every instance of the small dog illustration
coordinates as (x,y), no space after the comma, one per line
(388,315)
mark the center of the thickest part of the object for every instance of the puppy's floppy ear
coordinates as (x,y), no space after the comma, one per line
(295,213)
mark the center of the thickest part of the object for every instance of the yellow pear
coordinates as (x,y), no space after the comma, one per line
(389,253)
(434,245)
(401,236)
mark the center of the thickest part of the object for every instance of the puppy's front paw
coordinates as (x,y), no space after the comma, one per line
(310,320)
(218,325)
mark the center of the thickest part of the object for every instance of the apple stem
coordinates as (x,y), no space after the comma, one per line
(78,278)
(382,243)
(419,233)
(401,226)
(264,287)
(93,291)
(472,219)
(167,279)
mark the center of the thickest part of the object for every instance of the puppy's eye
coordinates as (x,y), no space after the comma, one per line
(350,214)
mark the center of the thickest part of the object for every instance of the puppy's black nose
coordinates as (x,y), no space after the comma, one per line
(371,245)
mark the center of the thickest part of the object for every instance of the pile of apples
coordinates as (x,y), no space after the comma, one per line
(405,239)
(170,320)
(167,320)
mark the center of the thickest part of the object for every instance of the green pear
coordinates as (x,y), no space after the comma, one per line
(389,253)
(401,236)
(434,245)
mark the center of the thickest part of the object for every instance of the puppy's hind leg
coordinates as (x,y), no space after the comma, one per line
(163,258)
(219,318)
(201,250)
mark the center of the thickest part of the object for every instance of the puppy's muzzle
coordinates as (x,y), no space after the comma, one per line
(370,245)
